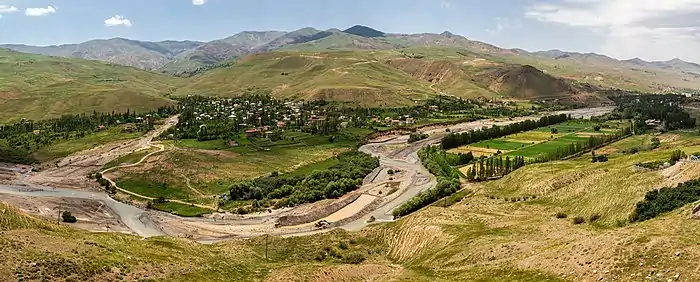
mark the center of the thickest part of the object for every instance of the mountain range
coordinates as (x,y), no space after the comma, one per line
(185,57)
(358,65)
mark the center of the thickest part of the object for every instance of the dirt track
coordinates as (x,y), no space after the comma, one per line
(394,153)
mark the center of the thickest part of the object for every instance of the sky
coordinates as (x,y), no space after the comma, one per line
(624,29)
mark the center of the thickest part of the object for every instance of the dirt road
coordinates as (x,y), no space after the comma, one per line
(394,153)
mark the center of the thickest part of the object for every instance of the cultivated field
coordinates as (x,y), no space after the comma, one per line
(539,141)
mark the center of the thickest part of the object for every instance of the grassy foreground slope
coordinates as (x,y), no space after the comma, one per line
(40,87)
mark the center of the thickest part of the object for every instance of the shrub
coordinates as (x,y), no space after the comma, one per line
(390,172)
(579,220)
(160,200)
(560,215)
(68,217)
(666,199)
(554,130)
(342,245)
(354,258)
(335,253)
(594,217)
(596,128)
(320,256)
(414,137)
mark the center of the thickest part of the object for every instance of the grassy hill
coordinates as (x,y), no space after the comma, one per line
(379,78)
(339,76)
(39,87)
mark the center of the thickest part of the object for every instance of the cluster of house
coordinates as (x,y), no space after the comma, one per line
(397,121)
(260,117)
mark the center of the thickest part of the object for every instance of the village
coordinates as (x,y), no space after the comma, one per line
(260,116)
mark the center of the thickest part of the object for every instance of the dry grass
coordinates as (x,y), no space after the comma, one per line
(476,151)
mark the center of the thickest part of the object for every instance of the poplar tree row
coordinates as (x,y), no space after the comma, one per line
(454,140)
(486,168)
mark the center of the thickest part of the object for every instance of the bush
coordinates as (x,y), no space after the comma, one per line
(560,215)
(579,220)
(335,253)
(414,137)
(390,172)
(354,258)
(160,200)
(68,217)
(666,199)
(342,245)
(594,217)
(320,256)
(596,128)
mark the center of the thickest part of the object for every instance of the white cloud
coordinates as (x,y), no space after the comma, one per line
(650,29)
(503,24)
(7,9)
(38,12)
(199,2)
(445,5)
(118,20)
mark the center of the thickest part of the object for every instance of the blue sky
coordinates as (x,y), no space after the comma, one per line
(649,29)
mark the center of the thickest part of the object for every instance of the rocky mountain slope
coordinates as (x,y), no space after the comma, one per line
(133,53)
(185,58)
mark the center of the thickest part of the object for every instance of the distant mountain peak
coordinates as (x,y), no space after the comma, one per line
(364,31)
(447,33)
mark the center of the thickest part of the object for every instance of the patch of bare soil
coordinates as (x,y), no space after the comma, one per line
(680,172)
(92,215)
(7,95)
(665,138)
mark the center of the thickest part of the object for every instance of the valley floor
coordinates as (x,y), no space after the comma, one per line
(485,237)
(505,230)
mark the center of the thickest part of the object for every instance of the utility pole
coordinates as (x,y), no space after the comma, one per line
(266,235)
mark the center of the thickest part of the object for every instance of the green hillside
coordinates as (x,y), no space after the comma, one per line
(355,77)
(40,87)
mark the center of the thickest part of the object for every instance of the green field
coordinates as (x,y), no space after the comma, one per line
(548,146)
(500,144)
(535,142)
(180,209)
(129,159)
(569,127)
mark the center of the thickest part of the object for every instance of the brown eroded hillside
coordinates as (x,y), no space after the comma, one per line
(444,76)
